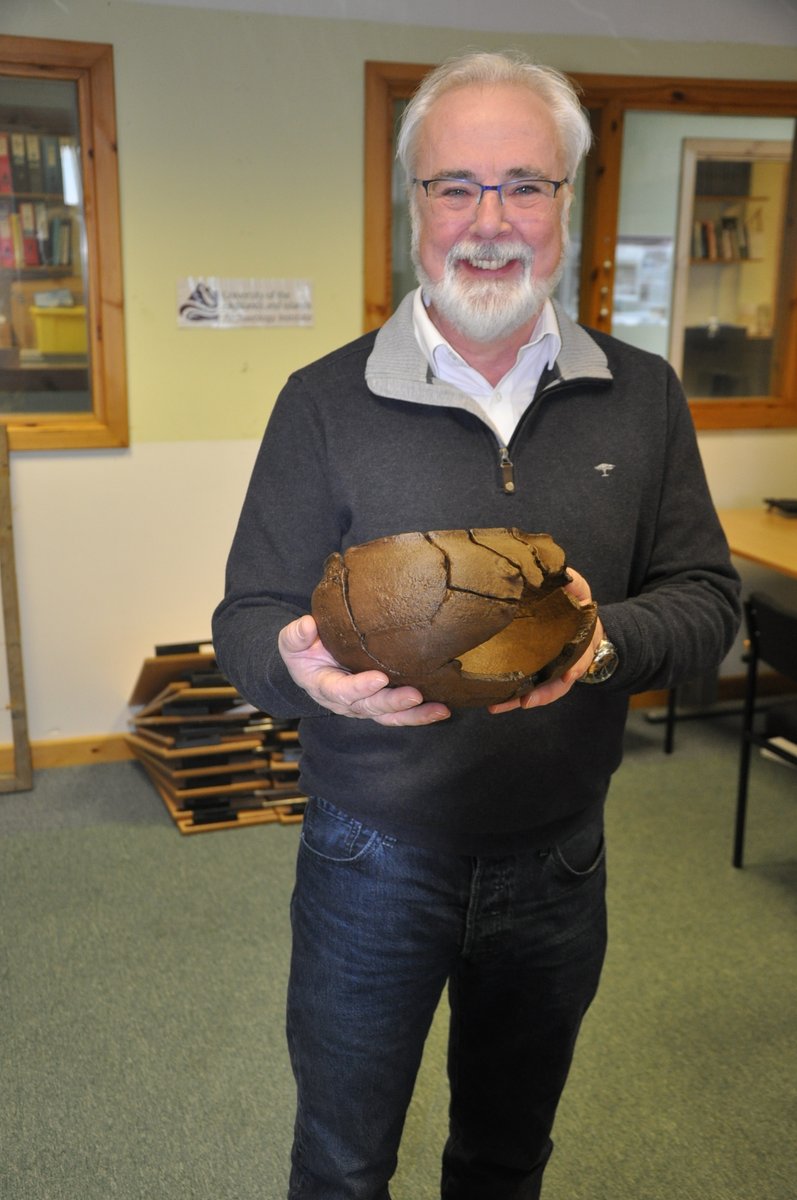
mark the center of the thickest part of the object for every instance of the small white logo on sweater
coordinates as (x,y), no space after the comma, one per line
(604,469)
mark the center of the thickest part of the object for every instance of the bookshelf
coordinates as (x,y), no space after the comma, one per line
(62,361)
(725,229)
(728,258)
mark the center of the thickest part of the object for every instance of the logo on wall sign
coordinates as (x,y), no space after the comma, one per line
(213,302)
(604,469)
(201,305)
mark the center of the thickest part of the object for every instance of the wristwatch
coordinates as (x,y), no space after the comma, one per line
(603,665)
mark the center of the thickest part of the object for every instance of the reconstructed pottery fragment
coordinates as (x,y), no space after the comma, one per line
(468,616)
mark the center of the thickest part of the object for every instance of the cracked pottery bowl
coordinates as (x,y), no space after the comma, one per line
(470,617)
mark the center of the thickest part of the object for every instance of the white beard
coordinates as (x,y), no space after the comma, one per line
(485,310)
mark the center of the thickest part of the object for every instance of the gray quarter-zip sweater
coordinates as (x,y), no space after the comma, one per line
(366,443)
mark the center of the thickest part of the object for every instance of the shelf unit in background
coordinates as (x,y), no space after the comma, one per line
(43,316)
(727,268)
(62,353)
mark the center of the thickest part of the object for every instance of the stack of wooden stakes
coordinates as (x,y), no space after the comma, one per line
(216,762)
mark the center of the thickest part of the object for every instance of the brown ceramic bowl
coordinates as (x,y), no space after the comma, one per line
(468,616)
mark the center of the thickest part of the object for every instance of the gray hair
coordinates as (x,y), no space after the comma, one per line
(550,85)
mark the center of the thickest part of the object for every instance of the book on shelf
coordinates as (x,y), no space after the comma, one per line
(711,239)
(30,238)
(15,221)
(42,231)
(30,241)
(729,238)
(60,241)
(700,239)
(724,240)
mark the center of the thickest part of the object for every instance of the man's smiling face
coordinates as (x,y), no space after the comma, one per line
(488,271)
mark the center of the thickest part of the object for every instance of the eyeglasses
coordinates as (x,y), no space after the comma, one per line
(463,195)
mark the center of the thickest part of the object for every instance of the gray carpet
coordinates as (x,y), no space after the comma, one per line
(142,977)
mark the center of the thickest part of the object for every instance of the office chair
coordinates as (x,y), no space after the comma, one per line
(772,632)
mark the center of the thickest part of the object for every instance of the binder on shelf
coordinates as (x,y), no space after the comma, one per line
(6,183)
(19,163)
(51,165)
(34,156)
(6,239)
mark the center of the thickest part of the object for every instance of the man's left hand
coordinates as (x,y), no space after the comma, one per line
(554,689)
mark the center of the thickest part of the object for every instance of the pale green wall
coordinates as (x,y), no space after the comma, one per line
(652,148)
(225,120)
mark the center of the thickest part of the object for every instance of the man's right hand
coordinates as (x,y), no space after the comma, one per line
(364,694)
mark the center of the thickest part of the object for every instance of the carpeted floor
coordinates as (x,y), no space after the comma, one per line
(142,978)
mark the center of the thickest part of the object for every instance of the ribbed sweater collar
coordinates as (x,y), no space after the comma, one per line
(397,367)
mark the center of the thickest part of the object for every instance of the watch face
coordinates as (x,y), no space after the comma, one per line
(604,670)
(603,664)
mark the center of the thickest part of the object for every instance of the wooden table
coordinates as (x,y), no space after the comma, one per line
(763,536)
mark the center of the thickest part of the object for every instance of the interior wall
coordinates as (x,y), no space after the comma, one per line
(226,124)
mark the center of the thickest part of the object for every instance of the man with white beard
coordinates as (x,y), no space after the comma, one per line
(464,849)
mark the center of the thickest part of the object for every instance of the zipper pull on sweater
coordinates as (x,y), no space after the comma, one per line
(507,470)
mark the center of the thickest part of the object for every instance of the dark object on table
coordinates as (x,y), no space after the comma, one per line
(787,507)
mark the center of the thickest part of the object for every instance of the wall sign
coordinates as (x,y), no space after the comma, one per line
(213,303)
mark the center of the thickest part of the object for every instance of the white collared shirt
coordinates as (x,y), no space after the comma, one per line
(504,404)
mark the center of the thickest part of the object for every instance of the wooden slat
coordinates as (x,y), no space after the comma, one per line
(156,672)
(21,778)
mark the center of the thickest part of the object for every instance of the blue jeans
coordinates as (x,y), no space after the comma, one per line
(379,928)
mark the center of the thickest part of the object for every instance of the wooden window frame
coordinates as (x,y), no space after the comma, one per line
(608,98)
(90,66)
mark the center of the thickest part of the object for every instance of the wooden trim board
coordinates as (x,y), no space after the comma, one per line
(73,752)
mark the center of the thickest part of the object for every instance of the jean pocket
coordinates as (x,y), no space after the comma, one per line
(332,834)
(583,852)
